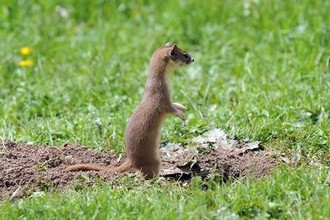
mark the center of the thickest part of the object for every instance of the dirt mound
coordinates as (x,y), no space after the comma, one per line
(26,168)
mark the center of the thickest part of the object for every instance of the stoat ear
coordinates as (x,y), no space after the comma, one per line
(174,47)
(168,44)
(173,52)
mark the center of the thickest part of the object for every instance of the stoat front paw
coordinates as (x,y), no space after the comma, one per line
(180,106)
(180,114)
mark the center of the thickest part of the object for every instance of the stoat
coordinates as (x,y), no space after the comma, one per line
(143,130)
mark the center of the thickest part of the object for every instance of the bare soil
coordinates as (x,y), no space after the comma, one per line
(26,168)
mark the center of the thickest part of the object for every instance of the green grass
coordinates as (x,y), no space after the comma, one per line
(305,196)
(261,73)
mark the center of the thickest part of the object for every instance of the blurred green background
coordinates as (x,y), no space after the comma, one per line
(261,70)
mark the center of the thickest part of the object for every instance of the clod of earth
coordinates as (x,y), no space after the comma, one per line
(25,168)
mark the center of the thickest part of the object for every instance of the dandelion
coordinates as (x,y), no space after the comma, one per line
(26,63)
(25,51)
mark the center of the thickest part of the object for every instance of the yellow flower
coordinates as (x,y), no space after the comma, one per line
(26,63)
(25,51)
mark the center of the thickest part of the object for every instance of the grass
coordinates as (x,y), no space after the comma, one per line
(305,196)
(261,71)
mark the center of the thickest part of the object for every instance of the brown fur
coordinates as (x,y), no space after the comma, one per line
(142,135)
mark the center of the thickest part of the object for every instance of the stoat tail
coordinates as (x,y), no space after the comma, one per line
(122,168)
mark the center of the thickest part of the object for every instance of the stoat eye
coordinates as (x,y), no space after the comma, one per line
(185,56)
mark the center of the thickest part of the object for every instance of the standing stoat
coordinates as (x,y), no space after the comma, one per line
(142,135)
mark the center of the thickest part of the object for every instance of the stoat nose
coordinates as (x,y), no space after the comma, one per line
(192,59)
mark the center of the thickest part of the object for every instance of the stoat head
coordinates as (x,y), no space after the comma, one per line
(177,55)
